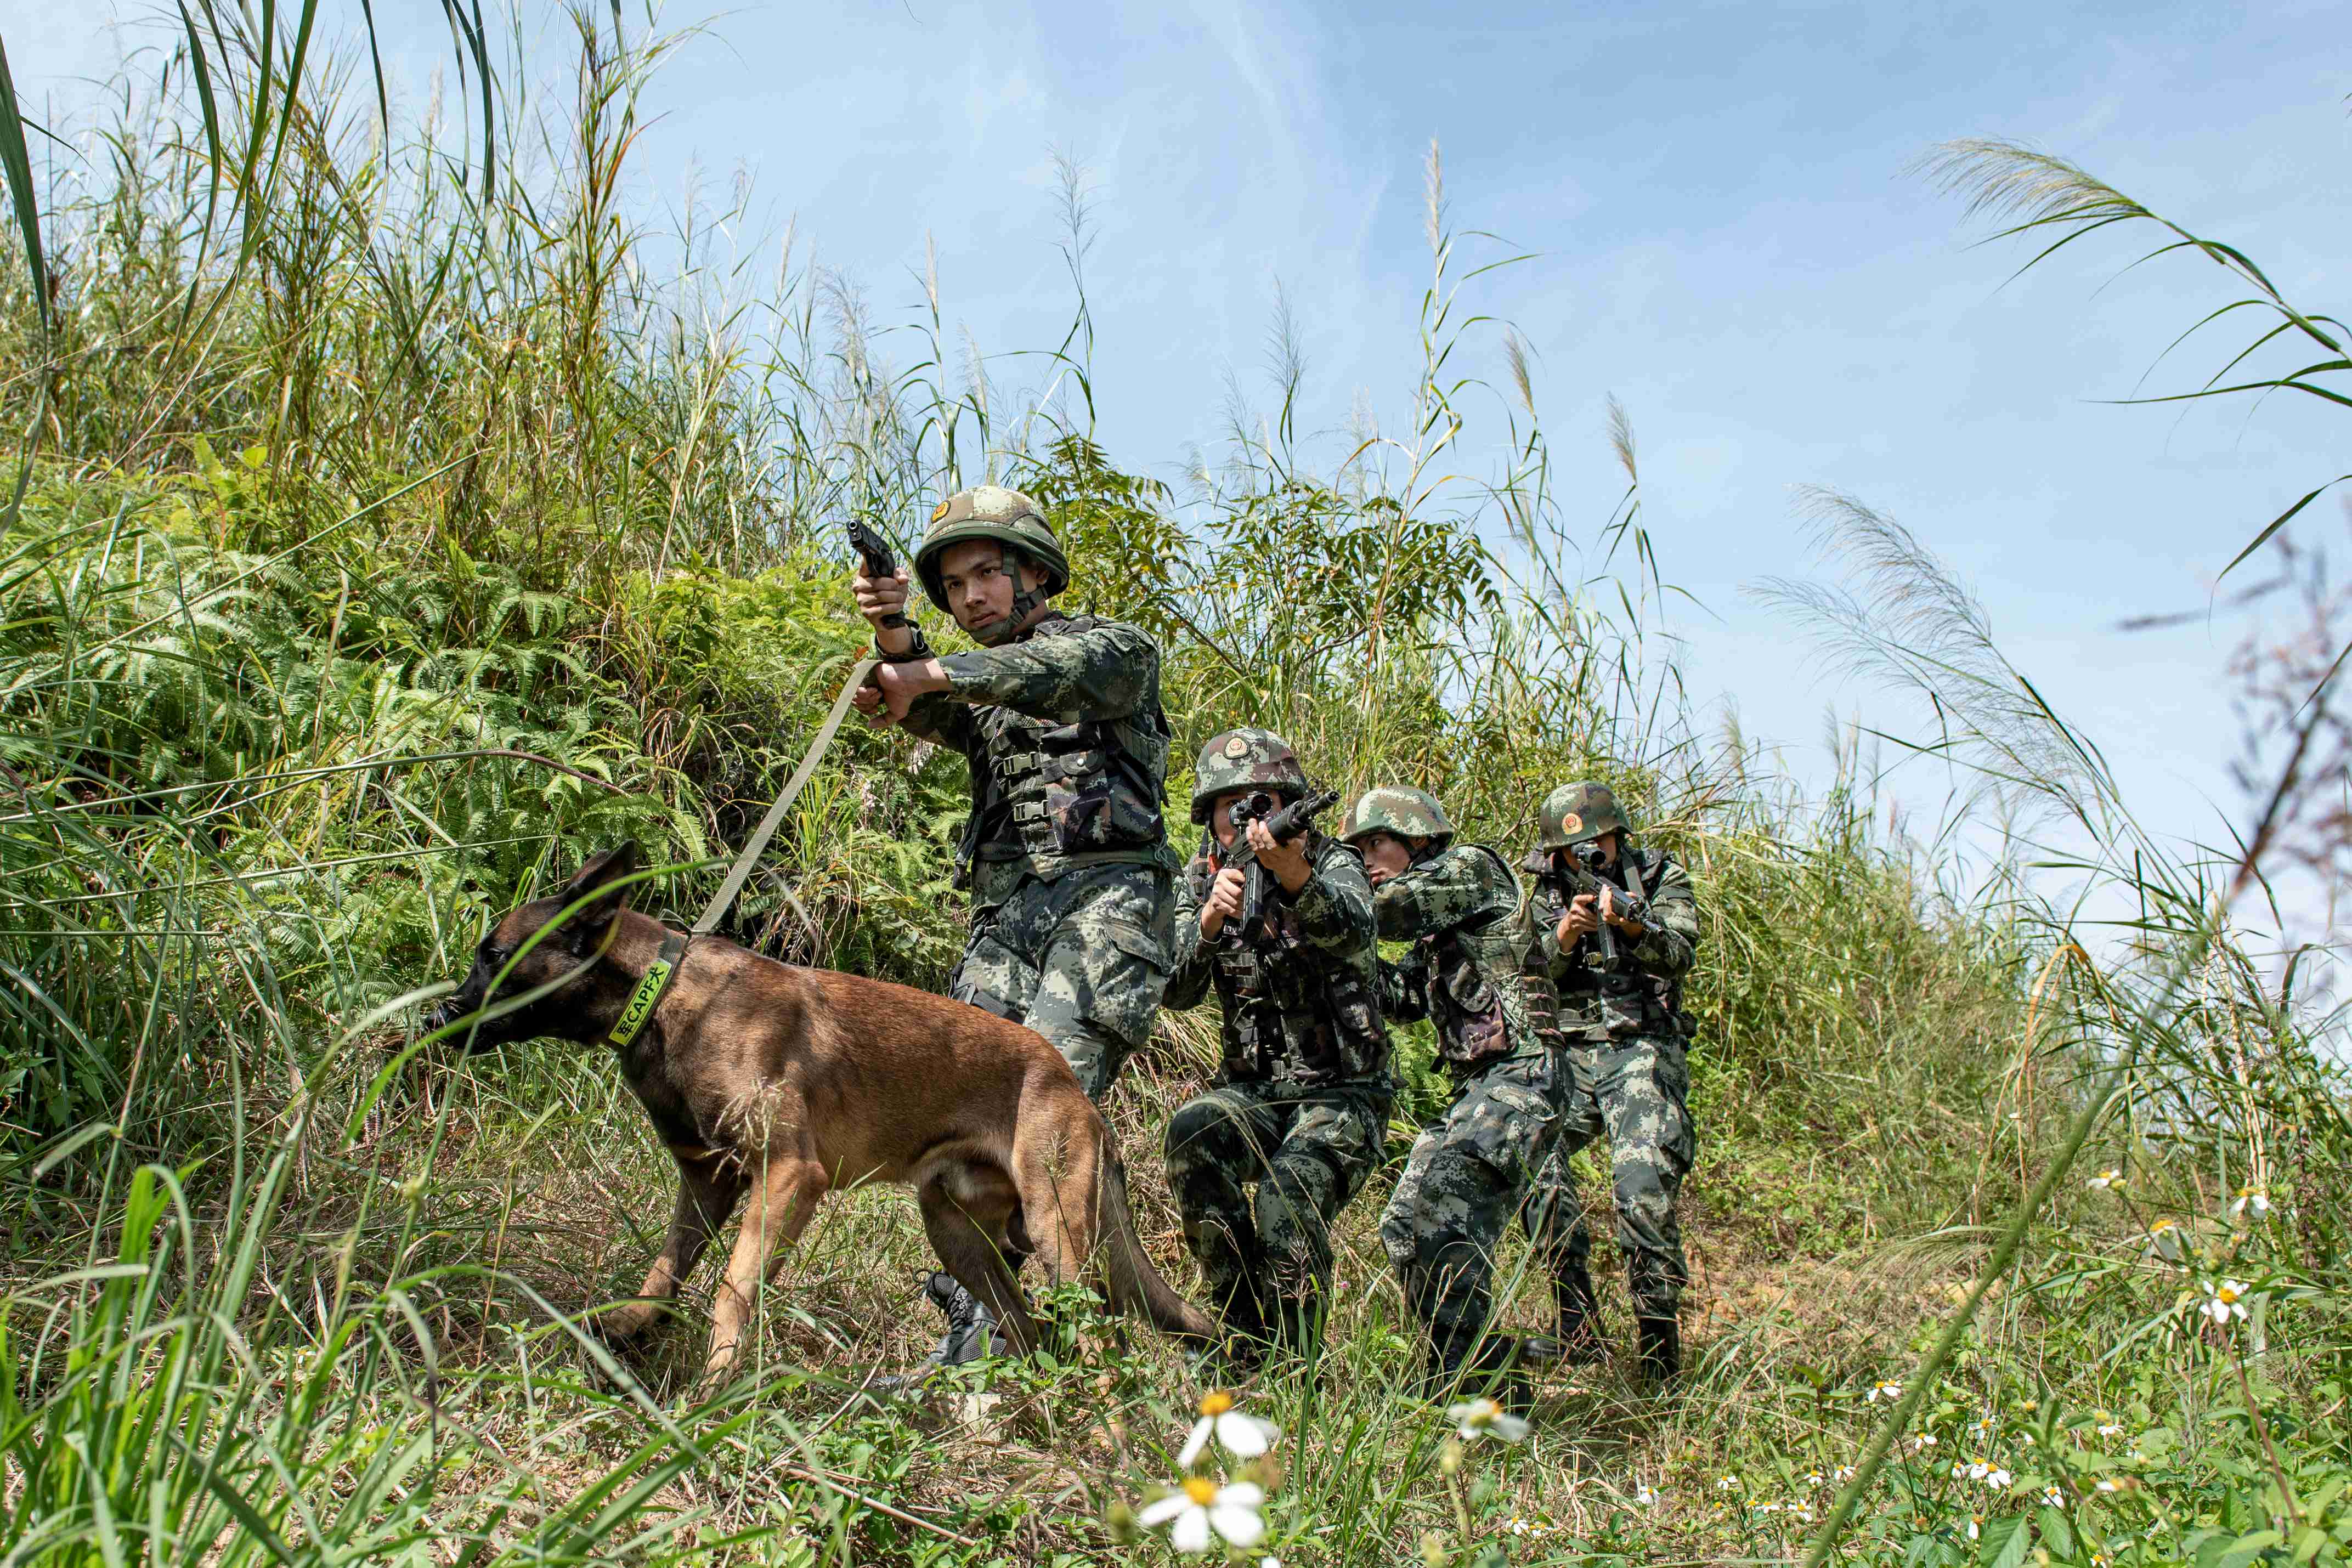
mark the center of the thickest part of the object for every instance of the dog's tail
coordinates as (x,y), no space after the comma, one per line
(1134,1283)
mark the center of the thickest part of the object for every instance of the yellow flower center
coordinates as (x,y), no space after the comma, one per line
(1200,1489)
(1217,1403)
(2225,1295)
(1483,1413)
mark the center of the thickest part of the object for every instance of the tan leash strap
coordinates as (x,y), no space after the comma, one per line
(740,872)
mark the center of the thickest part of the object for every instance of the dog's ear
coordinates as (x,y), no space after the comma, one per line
(585,929)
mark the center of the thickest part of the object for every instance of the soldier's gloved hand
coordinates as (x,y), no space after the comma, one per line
(879,598)
(1224,903)
(1582,919)
(1287,862)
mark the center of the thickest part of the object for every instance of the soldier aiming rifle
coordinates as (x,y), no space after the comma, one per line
(1282,930)
(1623,930)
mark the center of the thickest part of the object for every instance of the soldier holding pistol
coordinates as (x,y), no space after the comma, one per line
(1300,1103)
(1064,853)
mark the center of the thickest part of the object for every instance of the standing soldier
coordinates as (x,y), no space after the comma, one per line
(1621,1008)
(1300,1105)
(1479,971)
(1066,855)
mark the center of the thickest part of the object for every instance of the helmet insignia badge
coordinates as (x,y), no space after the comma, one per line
(1236,747)
(939,511)
(1571,822)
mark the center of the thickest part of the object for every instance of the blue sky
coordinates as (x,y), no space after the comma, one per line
(1725,238)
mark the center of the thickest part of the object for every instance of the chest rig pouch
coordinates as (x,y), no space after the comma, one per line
(1291,1012)
(1052,789)
(1474,968)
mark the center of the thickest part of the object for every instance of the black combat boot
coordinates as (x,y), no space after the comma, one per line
(972,1327)
(1662,1350)
(1577,1341)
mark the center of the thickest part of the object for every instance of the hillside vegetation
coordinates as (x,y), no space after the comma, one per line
(400,523)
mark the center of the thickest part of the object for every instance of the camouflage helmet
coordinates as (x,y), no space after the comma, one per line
(990,512)
(1398,808)
(1243,759)
(1578,813)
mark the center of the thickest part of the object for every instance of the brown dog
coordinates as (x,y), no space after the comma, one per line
(788,1083)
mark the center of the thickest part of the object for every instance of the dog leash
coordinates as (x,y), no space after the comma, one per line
(664,968)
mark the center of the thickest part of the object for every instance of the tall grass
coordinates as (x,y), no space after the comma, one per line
(401,518)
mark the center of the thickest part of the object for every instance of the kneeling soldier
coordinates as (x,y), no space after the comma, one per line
(1478,971)
(1621,944)
(1300,1103)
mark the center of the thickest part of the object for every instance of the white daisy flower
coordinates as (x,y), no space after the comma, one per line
(1645,1495)
(2105,1179)
(1728,1483)
(1998,1479)
(1478,1418)
(2051,1497)
(1201,1511)
(1813,1479)
(2164,1240)
(2109,1483)
(1879,1391)
(1976,1525)
(2252,1203)
(2108,1426)
(1922,1442)
(2224,1301)
(1842,1474)
(1245,1437)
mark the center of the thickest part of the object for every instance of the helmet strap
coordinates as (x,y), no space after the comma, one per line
(1024,600)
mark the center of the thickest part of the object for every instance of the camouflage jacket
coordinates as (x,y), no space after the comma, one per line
(1478,970)
(1643,994)
(1304,1007)
(1069,750)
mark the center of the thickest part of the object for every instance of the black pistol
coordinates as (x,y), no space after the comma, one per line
(873,553)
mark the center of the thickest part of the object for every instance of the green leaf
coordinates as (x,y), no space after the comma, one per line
(2004,1541)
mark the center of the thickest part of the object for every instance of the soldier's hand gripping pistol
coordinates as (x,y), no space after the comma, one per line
(1257,884)
(875,562)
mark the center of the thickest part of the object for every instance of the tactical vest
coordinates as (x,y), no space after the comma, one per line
(1597,1005)
(1050,795)
(1471,965)
(1293,1012)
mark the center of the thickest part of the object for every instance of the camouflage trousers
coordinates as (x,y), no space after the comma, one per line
(1082,959)
(1308,1150)
(1640,1098)
(1469,1173)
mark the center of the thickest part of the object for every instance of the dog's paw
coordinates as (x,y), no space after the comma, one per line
(626,1323)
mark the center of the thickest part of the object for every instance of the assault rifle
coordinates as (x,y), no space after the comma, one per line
(1580,874)
(1286,823)
(878,563)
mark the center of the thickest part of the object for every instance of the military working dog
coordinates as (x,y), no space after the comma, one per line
(785,1083)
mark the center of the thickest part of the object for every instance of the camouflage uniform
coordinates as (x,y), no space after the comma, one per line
(1627,1026)
(1064,853)
(1300,1103)
(1477,972)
